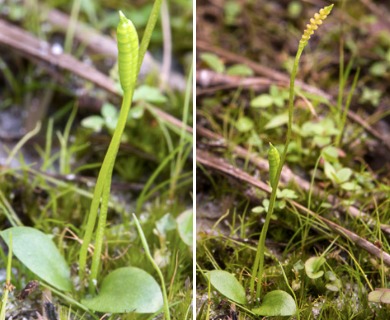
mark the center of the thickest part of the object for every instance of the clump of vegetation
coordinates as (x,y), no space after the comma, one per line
(300,268)
(53,239)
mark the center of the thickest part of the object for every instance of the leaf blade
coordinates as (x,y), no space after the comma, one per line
(127,289)
(276,303)
(39,254)
(228,285)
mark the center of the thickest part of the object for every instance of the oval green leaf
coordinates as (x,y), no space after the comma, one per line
(127,290)
(240,70)
(244,124)
(39,254)
(95,123)
(330,153)
(109,112)
(150,94)
(185,226)
(329,171)
(277,121)
(276,303)
(213,61)
(262,101)
(343,175)
(226,283)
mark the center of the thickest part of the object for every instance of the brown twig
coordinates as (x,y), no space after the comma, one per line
(221,165)
(288,176)
(30,46)
(210,81)
(33,48)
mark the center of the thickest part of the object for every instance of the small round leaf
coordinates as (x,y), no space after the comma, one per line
(125,290)
(185,226)
(276,303)
(240,70)
(277,121)
(262,101)
(244,124)
(95,123)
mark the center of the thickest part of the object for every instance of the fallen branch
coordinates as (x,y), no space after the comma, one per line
(288,176)
(33,48)
(221,165)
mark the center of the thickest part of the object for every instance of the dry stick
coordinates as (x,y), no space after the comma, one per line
(219,164)
(287,176)
(212,81)
(283,78)
(31,47)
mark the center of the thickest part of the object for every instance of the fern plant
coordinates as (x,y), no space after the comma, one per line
(276,169)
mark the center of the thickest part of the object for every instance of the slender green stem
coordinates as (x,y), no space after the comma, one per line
(148,184)
(155,266)
(291,290)
(22,142)
(180,160)
(9,211)
(100,232)
(103,184)
(126,104)
(47,153)
(64,151)
(9,77)
(342,76)
(346,108)
(290,109)
(258,266)
(208,298)
(148,31)
(7,280)
(127,64)
(105,172)
(188,312)
(72,26)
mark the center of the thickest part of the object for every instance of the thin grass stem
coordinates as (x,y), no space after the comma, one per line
(148,31)
(258,266)
(22,142)
(180,160)
(155,266)
(8,284)
(105,172)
